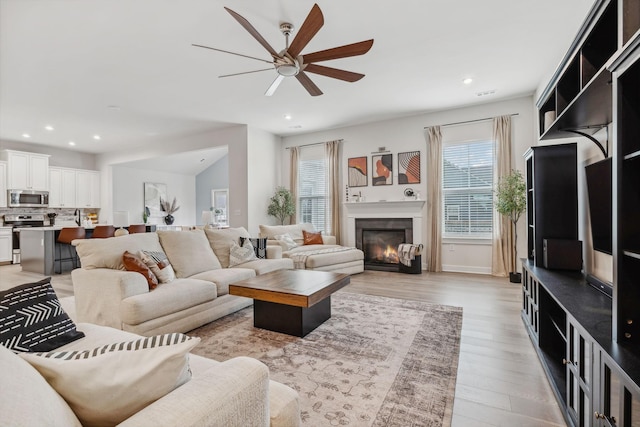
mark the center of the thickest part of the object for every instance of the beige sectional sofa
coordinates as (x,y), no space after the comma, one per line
(106,294)
(327,256)
(236,392)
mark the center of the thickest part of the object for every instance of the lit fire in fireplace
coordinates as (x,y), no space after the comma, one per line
(388,255)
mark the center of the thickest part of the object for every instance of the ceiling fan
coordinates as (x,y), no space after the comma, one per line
(289,62)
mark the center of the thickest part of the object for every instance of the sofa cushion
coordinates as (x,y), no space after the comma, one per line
(125,376)
(221,241)
(167,298)
(159,264)
(224,276)
(310,238)
(188,251)
(259,245)
(107,253)
(294,230)
(26,399)
(286,240)
(133,262)
(241,254)
(262,266)
(31,318)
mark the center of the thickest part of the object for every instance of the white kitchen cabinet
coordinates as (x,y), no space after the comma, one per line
(88,189)
(6,244)
(62,187)
(3,184)
(27,171)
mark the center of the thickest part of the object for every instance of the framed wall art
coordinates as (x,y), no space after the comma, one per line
(409,167)
(358,176)
(153,192)
(382,169)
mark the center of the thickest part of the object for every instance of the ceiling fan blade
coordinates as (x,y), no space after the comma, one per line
(309,28)
(335,73)
(345,51)
(274,85)
(256,35)
(233,53)
(246,72)
(308,84)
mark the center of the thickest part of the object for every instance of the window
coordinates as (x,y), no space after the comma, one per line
(467,189)
(312,188)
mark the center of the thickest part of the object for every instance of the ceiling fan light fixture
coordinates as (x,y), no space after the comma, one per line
(288,70)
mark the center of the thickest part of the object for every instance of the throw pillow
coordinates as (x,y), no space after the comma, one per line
(32,319)
(312,238)
(189,252)
(221,240)
(108,384)
(158,262)
(259,245)
(133,263)
(241,254)
(287,240)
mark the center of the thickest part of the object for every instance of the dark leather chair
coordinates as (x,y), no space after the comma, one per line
(103,231)
(137,228)
(66,236)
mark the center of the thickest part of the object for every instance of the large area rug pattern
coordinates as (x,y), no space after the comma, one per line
(377,362)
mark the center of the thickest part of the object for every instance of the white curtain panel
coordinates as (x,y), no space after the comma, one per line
(503,259)
(332,153)
(433,248)
(294,153)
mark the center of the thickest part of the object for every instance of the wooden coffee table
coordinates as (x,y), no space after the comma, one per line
(293,302)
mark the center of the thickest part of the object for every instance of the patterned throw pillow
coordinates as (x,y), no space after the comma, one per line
(108,384)
(311,238)
(158,262)
(133,263)
(287,240)
(259,245)
(31,319)
(241,254)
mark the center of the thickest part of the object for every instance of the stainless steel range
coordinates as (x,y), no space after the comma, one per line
(19,221)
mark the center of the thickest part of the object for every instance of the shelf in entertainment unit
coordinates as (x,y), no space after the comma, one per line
(632,156)
(632,254)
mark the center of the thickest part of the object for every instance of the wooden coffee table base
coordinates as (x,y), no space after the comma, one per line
(289,319)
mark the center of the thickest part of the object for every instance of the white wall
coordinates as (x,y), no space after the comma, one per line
(407,134)
(214,177)
(263,175)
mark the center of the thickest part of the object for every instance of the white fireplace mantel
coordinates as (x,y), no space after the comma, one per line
(384,209)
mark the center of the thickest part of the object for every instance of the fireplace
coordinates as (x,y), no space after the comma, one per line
(379,238)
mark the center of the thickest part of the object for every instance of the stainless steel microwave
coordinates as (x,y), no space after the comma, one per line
(28,199)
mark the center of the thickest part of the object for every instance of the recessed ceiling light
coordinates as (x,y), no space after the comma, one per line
(49,127)
(288,117)
(26,135)
(72,143)
(467,81)
(96,137)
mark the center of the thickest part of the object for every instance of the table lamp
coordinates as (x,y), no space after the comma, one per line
(121,219)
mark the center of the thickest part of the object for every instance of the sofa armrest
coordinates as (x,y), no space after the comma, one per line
(98,293)
(277,243)
(233,393)
(274,252)
(329,240)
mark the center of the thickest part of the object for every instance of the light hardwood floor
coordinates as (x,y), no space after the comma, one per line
(500,380)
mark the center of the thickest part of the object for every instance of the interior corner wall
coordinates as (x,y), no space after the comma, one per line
(214,177)
(263,174)
(407,134)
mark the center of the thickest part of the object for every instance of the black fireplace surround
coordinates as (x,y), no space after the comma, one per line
(379,238)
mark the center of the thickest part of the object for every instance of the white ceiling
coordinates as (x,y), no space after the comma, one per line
(126,70)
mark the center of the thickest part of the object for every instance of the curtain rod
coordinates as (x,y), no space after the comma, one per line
(471,121)
(314,143)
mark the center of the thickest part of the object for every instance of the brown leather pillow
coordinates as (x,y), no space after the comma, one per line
(133,263)
(312,238)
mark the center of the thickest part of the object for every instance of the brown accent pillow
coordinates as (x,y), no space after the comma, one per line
(312,238)
(133,263)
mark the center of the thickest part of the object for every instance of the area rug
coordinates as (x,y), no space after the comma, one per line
(376,362)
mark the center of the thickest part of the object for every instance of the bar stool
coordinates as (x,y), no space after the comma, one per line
(137,228)
(102,231)
(66,236)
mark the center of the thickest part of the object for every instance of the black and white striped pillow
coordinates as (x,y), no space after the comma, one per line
(259,245)
(31,319)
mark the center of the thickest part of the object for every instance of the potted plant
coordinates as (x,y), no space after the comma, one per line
(281,205)
(511,201)
(169,209)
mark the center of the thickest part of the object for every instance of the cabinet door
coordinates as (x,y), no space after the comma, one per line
(39,172)
(18,177)
(579,364)
(95,189)
(68,195)
(55,188)
(88,187)
(6,245)
(619,404)
(3,184)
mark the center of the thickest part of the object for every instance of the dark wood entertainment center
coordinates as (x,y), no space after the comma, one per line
(588,341)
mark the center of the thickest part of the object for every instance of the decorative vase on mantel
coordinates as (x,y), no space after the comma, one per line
(169,219)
